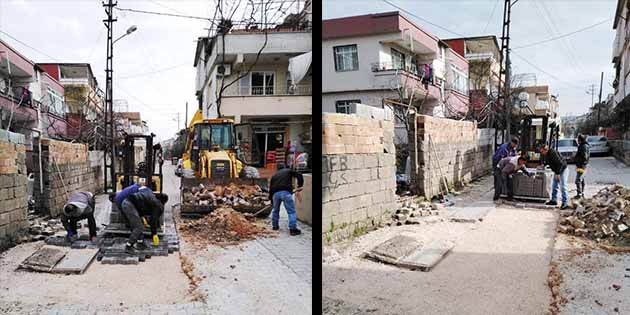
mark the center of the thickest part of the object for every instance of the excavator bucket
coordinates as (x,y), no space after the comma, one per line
(202,196)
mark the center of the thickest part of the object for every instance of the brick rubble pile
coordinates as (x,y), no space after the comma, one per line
(239,197)
(411,212)
(604,218)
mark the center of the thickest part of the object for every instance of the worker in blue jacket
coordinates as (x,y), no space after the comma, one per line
(504,150)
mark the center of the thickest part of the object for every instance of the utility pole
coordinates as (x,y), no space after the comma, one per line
(185,122)
(505,70)
(599,104)
(109,139)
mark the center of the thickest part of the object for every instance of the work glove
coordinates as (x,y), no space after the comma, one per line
(144,221)
(580,170)
(156,240)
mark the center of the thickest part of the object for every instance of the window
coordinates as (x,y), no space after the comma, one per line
(460,81)
(343,107)
(262,83)
(346,58)
(56,105)
(398,60)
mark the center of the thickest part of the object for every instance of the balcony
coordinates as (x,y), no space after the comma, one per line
(617,46)
(390,76)
(277,90)
(480,56)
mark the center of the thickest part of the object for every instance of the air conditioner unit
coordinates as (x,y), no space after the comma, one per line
(224,70)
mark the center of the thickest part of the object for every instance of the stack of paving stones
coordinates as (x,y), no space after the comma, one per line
(358,170)
(411,213)
(458,148)
(13,199)
(61,160)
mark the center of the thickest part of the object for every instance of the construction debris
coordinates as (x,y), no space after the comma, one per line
(242,198)
(604,218)
(223,226)
(410,212)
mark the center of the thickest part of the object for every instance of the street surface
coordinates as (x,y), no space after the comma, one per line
(263,276)
(498,266)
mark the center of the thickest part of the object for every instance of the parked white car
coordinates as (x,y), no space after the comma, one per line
(568,149)
(599,145)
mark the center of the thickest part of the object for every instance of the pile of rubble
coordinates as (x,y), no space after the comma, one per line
(411,212)
(603,218)
(223,226)
(239,197)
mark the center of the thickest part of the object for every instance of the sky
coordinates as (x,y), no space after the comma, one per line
(153,67)
(569,65)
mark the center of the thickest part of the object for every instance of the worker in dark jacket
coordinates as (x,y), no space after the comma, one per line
(561,175)
(80,206)
(143,203)
(281,191)
(581,160)
(509,166)
(505,150)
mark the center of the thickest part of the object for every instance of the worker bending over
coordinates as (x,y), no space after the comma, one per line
(142,203)
(80,206)
(281,191)
(509,166)
(505,150)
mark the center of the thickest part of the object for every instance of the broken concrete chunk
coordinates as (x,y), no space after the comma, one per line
(581,232)
(622,227)
(566,229)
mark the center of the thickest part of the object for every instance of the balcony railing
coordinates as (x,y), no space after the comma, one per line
(277,90)
(480,56)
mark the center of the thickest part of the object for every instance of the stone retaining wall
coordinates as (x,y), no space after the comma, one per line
(358,171)
(66,168)
(447,148)
(13,199)
(621,150)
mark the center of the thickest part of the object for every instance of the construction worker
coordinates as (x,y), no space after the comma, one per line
(505,150)
(509,166)
(80,206)
(281,191)
(581,160)
(142,203)
(561,175)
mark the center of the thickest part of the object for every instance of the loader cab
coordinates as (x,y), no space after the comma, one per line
(209,134)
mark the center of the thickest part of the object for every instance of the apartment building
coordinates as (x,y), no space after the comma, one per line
(540,101)
(84,98)
(385,58)
(261,78)
(484,65)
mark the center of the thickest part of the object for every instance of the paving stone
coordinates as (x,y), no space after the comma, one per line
(394,249)
(426,257)
(75,261)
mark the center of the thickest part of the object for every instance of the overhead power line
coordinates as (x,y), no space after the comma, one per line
(152,72)
(547,73)
(29,46)
(491,15)
(563,35)
(425,20)
(192,17)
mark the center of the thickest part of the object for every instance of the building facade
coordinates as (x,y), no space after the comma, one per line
(84,98)
(376,58)
(244,74)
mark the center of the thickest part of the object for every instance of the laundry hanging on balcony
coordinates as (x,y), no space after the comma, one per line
(298,67)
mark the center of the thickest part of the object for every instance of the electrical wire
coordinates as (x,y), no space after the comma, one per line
(563,35)
(152,72)
(490,17)
(29,46)
(425,20)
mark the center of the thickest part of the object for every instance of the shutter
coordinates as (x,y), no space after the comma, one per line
(245,84)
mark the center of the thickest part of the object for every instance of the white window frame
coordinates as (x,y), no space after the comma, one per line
(459,81)
(402,57)
(58,107)
(346,105)
(251,87)
(354,66)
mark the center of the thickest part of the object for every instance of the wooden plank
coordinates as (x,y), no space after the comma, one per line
(75,261)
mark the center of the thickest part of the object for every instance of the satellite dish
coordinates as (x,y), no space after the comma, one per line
(523,96)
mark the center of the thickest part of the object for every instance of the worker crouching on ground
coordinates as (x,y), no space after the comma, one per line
(561,175)
(509,166)
(505,150)
(80,206)
(143,203)
(581,160)
(281,191)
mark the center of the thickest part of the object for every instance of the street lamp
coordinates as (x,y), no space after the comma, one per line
(130,30)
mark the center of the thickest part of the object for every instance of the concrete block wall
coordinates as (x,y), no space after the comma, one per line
(358,173)
(13,199)
(66,168)
(447,148)
(621,149)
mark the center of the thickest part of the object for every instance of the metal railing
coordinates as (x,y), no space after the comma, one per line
(390,66)
(277,90)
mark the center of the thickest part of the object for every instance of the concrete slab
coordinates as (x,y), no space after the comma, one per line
(75,261)
(428,256)
(394,249)
(44,259)
(469,214)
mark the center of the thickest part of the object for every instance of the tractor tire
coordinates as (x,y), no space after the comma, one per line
(249,172)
